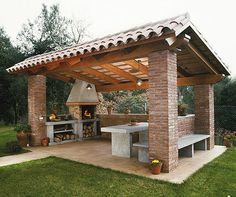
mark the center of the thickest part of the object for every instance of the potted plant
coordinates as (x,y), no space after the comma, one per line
(229,139)
(156,166)
(182,109)
(22,134)
(45,141)
(133,122)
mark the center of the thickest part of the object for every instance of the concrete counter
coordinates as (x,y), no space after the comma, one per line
(121,138)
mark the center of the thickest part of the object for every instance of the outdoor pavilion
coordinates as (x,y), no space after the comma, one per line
(167,54)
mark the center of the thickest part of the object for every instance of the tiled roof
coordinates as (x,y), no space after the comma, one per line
(147,31)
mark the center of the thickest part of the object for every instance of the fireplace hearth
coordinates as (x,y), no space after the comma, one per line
(88,111)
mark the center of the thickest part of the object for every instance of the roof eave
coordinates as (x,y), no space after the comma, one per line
(194,29)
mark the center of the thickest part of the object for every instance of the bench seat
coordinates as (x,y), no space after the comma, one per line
(188,143)
(142,151)
(186,146)
(191,139)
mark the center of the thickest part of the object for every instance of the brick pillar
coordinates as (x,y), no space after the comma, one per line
(163,116)
(204,111)
(37,107)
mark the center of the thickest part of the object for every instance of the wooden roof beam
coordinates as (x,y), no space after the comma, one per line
(185,81)
(200,57)
(62,78)
(77,75)
(138,66)
(119,72)
(99,75)
(122,86)
(120,55)
(183,71)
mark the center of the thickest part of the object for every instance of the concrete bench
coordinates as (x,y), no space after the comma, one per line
(187,144)
(142,151)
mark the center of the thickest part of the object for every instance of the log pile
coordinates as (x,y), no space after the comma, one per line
(88,130)
(63,137)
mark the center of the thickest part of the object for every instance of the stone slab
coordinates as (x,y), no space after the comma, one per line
(191,139)
(140,127)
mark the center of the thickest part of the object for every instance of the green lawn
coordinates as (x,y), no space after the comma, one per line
(6,134)
(58,177)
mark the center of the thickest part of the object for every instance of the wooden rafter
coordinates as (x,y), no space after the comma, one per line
(119,72)
(119,55)
(61,77)
(185,81)
(199,56)
(100,75)
(175,42)
(137,65)
(122,86)
(183,72)
(47,69)
(79,76)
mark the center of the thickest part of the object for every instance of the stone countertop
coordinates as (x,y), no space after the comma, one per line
(140,127)
(61,122)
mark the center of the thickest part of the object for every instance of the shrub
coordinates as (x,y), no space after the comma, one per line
(134,103)
(13,147)
(22,127)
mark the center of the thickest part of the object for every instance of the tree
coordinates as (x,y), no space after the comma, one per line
(225,104)
(50,31)
(12,104)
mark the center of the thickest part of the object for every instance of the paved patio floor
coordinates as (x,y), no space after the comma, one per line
(98,153)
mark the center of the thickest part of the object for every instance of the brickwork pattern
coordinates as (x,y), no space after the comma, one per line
(37,107)
(163,125)
(186,125)
(204,111)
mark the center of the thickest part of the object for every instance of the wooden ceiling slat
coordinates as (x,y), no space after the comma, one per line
(99,75)
(119,72)
(120,55)
(79,76)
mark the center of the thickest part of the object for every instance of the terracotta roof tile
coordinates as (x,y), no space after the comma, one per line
(134,35)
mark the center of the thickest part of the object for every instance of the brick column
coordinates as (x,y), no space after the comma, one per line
(204,111)
(37,107)
(163,116)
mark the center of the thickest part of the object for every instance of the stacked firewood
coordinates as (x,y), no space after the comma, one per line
(88,130)
(63,137)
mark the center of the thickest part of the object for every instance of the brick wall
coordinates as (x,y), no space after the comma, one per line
(186,125)
(204,111)
(163,124)
(37,107)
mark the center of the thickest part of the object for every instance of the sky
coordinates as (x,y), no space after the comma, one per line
(215,19)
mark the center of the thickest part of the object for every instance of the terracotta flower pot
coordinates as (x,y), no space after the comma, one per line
(45,141)
(22,138)
(156,169)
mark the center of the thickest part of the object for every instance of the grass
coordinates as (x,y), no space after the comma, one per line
(59,177)
(7,134)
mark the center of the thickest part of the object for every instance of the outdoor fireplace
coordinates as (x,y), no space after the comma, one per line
(88,111)
(82,106)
